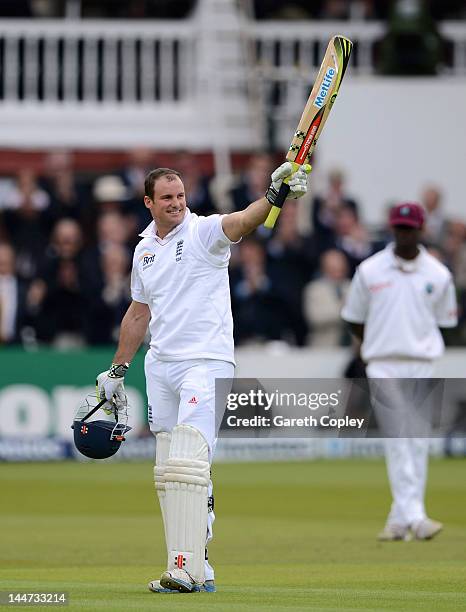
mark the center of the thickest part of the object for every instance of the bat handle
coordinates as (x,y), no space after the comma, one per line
(277,206)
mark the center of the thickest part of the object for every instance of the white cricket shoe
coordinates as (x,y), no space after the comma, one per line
(394,533)
(426,529)
(178,580)
(156,587)
(207,587)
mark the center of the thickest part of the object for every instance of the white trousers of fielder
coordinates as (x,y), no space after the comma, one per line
(406,457)
(183,393)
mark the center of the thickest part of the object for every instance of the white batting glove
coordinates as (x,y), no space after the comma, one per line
(297,181)
(110,385)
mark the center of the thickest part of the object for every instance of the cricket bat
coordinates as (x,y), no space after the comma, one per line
(318,106)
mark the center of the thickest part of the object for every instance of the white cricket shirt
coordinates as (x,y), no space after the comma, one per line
(184,280)
(402,304)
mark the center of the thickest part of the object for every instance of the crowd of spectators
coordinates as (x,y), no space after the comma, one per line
(260,9)
(353,9)
(66,242)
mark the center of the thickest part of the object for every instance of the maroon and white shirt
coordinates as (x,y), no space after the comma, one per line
(402,304)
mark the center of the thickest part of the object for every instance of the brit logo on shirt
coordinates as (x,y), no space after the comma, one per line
(179,250)
(147,260)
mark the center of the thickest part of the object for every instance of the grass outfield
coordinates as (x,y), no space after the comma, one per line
(289,536)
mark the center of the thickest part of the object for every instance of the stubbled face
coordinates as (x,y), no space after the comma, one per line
(168,205)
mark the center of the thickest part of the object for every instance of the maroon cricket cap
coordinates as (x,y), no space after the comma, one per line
(409,214)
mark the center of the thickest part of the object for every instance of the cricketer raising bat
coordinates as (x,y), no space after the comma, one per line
(318,106)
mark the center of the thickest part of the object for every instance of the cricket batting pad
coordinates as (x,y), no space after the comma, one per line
(187,475)
(162,449)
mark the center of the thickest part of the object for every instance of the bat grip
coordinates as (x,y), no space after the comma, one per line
(277,205)
(282,195)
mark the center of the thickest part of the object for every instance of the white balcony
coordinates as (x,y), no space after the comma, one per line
(203,83)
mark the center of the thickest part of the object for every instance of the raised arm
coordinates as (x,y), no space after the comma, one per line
(239,224)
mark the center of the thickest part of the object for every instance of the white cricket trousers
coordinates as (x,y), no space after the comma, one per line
(406,458)
(183,392)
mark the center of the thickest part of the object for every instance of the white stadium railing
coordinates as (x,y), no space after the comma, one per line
(297,48)
(89,61)
(96,61)
(200,83)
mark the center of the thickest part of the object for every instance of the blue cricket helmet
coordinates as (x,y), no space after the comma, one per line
(98,439)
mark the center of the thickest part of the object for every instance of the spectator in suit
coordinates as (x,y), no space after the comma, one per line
(108,304)
(68,196)
(324,298)
(112,230)
(258,312)
(326,208)
(291,264)
(27,222)
(56,299)
(351,237)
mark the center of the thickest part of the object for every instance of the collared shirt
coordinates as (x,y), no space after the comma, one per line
(184,280)
(402,304)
